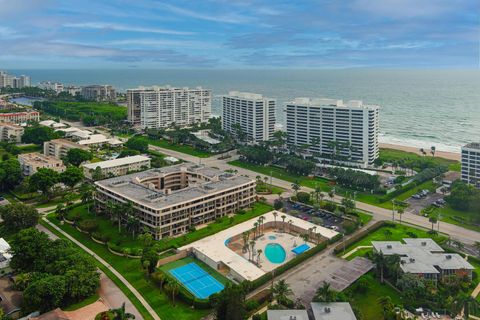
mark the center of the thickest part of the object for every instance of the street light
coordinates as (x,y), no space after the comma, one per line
(393,210)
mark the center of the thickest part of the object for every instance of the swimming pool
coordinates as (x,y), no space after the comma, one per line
(301,249)
(272,237)
(275,253)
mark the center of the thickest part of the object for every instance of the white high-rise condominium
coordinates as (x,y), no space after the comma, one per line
(471,164)
(254,113)
(334,131)
(160,107)
(7,80)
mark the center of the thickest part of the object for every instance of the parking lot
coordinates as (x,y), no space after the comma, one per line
(416,205)
(319,217)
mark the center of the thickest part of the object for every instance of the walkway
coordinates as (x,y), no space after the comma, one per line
(464,235)
(115,272)
(348,254)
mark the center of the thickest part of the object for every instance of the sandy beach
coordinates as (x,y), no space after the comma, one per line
(438,153)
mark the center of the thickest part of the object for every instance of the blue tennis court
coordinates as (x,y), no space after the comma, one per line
(197,280)
(301,249)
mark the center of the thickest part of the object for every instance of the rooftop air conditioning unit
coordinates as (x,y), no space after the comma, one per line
(412,260)
(389,246)
(424,243)
(448,256)
(327,309)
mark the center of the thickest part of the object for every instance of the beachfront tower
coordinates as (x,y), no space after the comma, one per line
(254,113)
(471,164)
(334,131)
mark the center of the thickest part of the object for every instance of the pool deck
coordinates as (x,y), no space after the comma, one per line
(215,249)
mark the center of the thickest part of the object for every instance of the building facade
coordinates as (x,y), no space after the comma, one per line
(99,93)
(20,117)
(471,164)
(334,131)
(169,201)
(48,85)
(31,162)
(254,114)
(58,148)
(161,107)
(11,132)
(7,80)
(117,167)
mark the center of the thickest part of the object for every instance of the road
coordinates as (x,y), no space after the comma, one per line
(456,232)
(111,294)
(150,310)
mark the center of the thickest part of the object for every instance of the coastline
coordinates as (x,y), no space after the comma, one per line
(438,153)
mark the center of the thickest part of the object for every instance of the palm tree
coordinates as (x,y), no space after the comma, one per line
(325,293)
(245,238)
(296,187)
(172,287)
(386,304)
(469,305)
(60,210)
(433,220)
(252,247)
(380,261)
(255,225)
(331,194)
(121,313)
(275,214)
(317,192)
(400,212)
(265,179)
(433,150)
(281,290)
(283,222)
(290,224)
(87,196)
(259,252)
(305,237)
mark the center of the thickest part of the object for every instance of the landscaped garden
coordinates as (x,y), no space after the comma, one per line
(183,148)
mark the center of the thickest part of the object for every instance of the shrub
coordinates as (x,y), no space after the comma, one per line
(303,197)
(100,236)
(88,225)
(251,305)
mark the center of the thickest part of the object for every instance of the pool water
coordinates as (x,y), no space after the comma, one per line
(272,237)
(275,253)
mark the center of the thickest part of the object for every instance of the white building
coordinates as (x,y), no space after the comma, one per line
(52,124)
(254,113)
(31,162)
(160,107)
(10,132)
(117,167)
(349,131)
(99,93)
(471,164)
(48,85)
(7,80)
(5,255)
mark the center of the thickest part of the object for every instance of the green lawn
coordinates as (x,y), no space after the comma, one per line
(364,217)
(132,270)
(56,201)
(397,233)
(391,155)
(467,219)
(82,303)
(367,302)
(180,148)
(269,188)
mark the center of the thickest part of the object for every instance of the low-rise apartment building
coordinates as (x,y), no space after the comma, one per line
(335,131)
(117,167)
(10,132)
(169,201)
(471,164)
(58,148)
(20,117)
(425,258)
(31,162)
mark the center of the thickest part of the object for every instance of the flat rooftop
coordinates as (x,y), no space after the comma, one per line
(422,255)
(130,186)
(317,102)
(67,143)
(473,145)
(38,158)
(214,246)
(246,95)
(287,315)
(116,162)
(332,311)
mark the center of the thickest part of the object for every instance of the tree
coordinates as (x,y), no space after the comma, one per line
(433,221)
(71,176)
(380,262)
(259,252)
(87,195)
(325,293)
(433,149)
(137,143)
(121,313)
(10,174)
(76,156)
(29,248)
(277,205)
(296,187)
(45,294)
(39,134)
(400,212)
(18,216)
(229,304)
(303,197)
(172,287)
(281,290)
(386,304)
(44,179)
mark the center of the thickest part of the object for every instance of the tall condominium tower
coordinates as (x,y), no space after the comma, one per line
(160,107)
(471,164)
(99,93)
(334,131)
(254,113)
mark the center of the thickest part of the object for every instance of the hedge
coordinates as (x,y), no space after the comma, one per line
(359,236)
(292,263)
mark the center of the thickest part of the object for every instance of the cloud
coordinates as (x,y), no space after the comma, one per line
(164,43)
(122,27)
(215,16)
(405,8)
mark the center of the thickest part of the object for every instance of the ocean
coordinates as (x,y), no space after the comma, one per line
(419,108)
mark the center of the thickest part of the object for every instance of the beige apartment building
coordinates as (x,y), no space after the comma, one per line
(10,132)
(117,167)
(31,162)
(170,201)
(58,148)
(20,117)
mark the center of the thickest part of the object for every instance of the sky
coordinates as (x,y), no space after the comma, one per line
(226,34)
